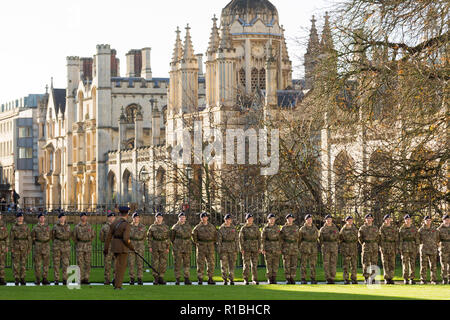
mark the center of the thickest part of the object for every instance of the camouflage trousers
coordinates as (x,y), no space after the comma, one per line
(205,254)
(159,261)
(134,262)
(388,260)
(272,263)
(329,262)
(369,258)
(290,262)
(409,265)
(41,260)
(445,264)
(228,263)
(109,263)
(428,260)
(350,266)
(182,260)
(19,262)
(61,257)
(308,259)
(250,260)
(84,262)
(2,259)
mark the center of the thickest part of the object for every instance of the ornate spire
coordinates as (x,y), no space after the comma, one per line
(327,38)
(313,45)
(214,39)
(178,50)
(284,52)
(188,47)
(225,40)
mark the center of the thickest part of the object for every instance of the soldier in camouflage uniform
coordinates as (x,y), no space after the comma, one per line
(180,235)
(444,248)
(289,247)
(250,246)
(20,242)
(82,236)
(349,250)
(159,244)
(429,238)
(271,248)
(4,244)
(388,236)
(228,246)
(329,241)
(40,235)
(61,248)
(408,244)
(368,238)
(108,259)
(308,239)
(204,237)
(137,238)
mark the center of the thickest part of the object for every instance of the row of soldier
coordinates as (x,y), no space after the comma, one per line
(272,242)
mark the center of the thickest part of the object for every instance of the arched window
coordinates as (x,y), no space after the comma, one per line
(344,186)
(130,113)
(127,186)
(262,79)
(255,79)
(242,79)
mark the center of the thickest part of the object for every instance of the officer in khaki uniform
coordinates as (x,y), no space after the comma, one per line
(444,248)
(388,236)
(180,235)
(119,239)
(429,239)
(289,245)
(271,248)
(204,237)
(368,237)
(20,242)
(137,237)
(61,248)
(349,250)
(409,244)
(159,245)
(308,239)
(108,259)
(250,245)
(82,235)
(329,240)
(4,244)
(228,246)
(40,235)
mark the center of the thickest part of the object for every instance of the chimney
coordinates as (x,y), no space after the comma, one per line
(146,72)
(130,65)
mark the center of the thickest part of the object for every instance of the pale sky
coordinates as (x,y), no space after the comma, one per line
(36,36)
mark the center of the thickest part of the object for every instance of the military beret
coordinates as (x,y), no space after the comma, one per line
(111,214)
(407,217)
(19,214)
(248,216)
(203,215)
(227,216)
(369,215)
(446,217)
(124,209)
(181,214)
(308,216)
(83,214)
(40,215)
(328,216)
(388,216)
(348,218)
(290,215)
(159,214)
(62,214)
(135,215)
(427,218)
(270,215)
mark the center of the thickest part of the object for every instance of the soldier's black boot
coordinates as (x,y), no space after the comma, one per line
(45,282)
(444,281)
(161,281)
(274,280)
(347,281)
(423,282)
(246,282)
(22,282)
(65,282)
(187,282)
(131,281)
(225,281)
(406,281)
(106,283)
(16,282)
(313,281)
(366,281)
(304,281)
(56,283)
(177,283)
(231,282)
(200,281)
(2,282)
(412,281)
(255,282)
(329,281)
(156,281)
(211,281)
(37,282)
(434,282)
(140,282)
(354,281)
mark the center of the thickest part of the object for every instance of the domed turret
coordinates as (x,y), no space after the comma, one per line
(248,11)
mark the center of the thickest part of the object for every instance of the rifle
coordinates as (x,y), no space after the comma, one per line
(146,262)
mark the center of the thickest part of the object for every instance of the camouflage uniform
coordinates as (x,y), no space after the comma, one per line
(250,243)
(108,259)
(182,248)
(204,237)
(289,247)
(308,237)
(444,250)
(408,243)
(20,242)
(368,237)
(82,236)
(388,244)
(349,251)
(4,243)
(271,245)
(159,242)
(228,247)
(137,237)
(429,240)
(41,240)
(61,249)
(328,238)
